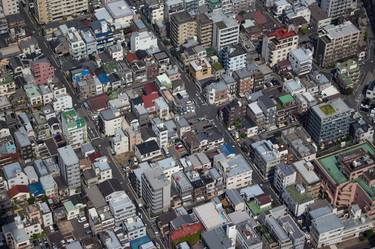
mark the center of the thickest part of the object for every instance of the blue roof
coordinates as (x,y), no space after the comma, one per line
(135,244)
(103,78)
(227,149)
(36,189)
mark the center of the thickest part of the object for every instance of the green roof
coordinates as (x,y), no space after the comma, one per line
(332,166)
(327,109)
(370,190)
(255,209)
(7,78)
(286,99)
(217,66)
(110,67)
(73,120)
(69,206)
(297,196)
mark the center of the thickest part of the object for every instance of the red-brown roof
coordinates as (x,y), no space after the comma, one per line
(281,33)
(148,100)
(17,189)
(263,199)
(93,156)
(259,17)
(150,88)
(186,230)
(130,57)
(97,103)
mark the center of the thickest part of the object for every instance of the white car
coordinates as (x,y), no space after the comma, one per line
(81,219)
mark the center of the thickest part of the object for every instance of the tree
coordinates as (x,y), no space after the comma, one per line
(31,200)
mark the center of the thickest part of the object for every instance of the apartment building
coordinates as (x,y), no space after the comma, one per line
(200,69)
(154,11)
(69,168)
(182,27)
(233,57)
(307,178)
(347,177)
(265,156)
(144,40)
(328,229)
(337,42)
(277,44)
(10,7)
(77,46)
(301,60)
(347,74)
(328,122)
(74,128)
(109,121)
(53,10)
(121,206)
(284,176)
(43,71)
(204,30)
(156,191)
(235,170)
(338,8)
(245,81)
(217,93)
(225,32)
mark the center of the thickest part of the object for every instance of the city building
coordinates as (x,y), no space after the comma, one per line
(217,93)
(109,121)
(347,177)
(200,69)
(154,11)
(235,170)
(69,168)
(43,71)
(319,18)
(156,191)
(117,13)
(74,128)
(245,81)
(144,40)
(335,9)
(265,156)
(301,60)
(328,229)
(347,74)
(24,146)
(122,208)
(299,143)
(225,30)
(337,42)
(120,142)
(233,57)
(204,30)
(328,122)
(231,113)
(277,44)
(52,10)
(296,199)
(10,7)
(307,177)
(77,46)
(284,175)
(14,175)
(182,27)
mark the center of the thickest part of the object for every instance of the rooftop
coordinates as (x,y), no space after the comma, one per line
(281,33)
(338,31)
(332,166)
(73,120)
(296,194)
(332,107)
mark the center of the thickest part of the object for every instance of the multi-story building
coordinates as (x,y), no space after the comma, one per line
(232,112)
(121,206)
(103,33)
(307,178)
(77,46)
(336,8)
(90,41)
(328,229)
(347,177)
(235,170)
(217,93)
(182,27)
(299,143)
(265,156)
(109,121)
(328,122)
(204,30)
(245,81)
(24,146)
(7,84)
(69,168)
(14,175)
(10,7)
(277,44)
(319,18)
(337,42)
(225,32)
(296,199)
(200,69)
(154,11)
(233,57)
(53,10)
(43,71)
(156,191)
(347,74)
(301,60)
(283,176)
(120,142)
(144,40)
(74,128)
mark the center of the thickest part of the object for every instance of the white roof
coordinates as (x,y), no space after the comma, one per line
(118,9)
(254,107)
(209,216)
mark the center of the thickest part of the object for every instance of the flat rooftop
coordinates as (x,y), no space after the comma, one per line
(332,166)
